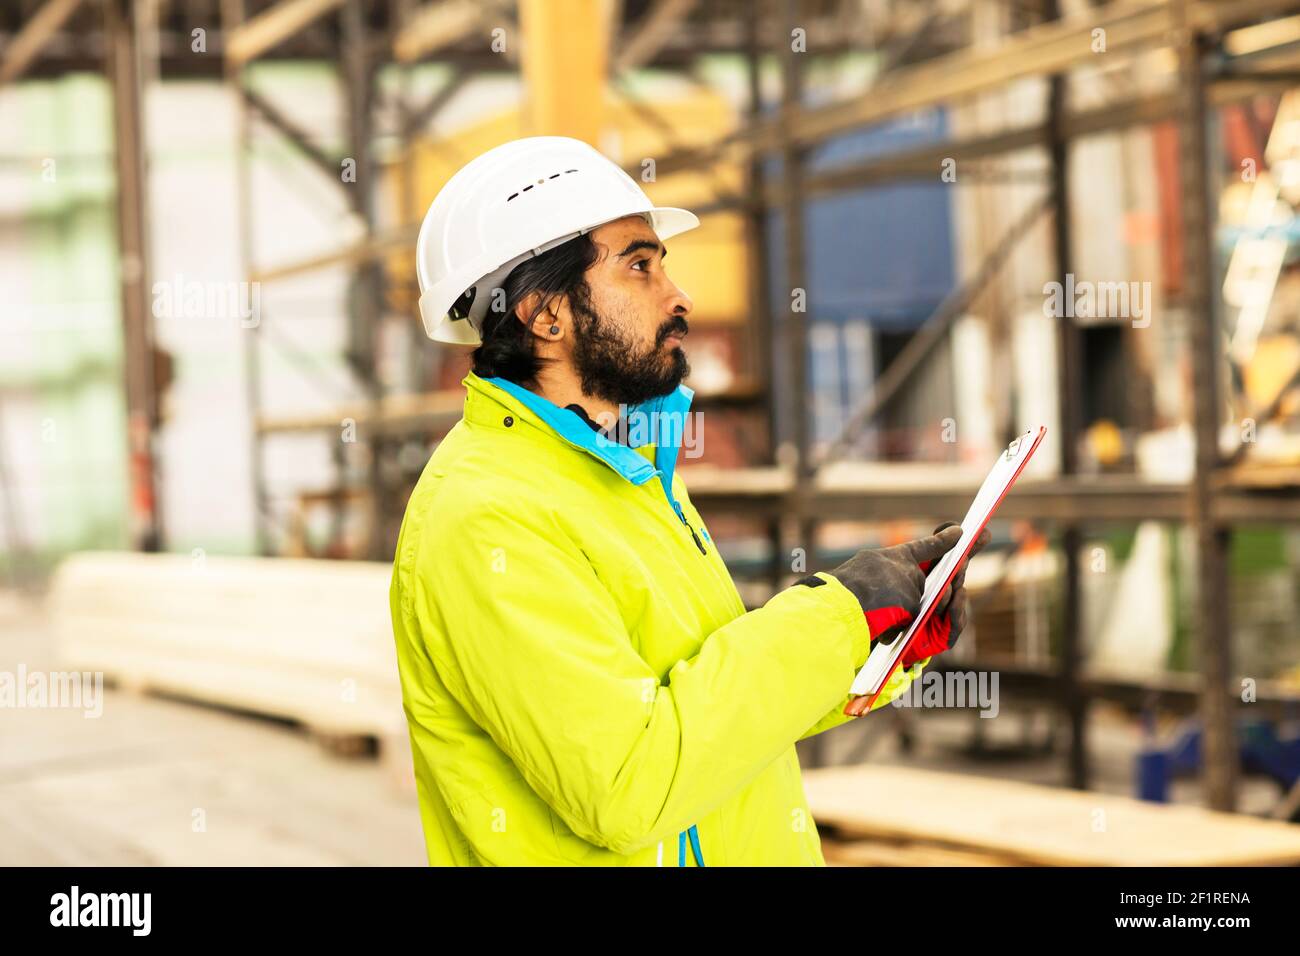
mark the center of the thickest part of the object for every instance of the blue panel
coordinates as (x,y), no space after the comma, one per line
(881,255)
(884,253)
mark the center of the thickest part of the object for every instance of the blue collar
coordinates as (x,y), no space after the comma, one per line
(659,421)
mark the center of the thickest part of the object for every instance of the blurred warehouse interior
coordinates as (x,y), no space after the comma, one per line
(208,211)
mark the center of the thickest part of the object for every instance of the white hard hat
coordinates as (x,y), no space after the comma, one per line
(514,202)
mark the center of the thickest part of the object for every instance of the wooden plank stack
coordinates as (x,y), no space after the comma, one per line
(896,816)
(305,640)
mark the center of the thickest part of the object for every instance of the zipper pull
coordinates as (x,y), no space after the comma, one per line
(694,537)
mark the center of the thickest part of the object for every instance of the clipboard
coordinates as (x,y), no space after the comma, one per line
(884,658)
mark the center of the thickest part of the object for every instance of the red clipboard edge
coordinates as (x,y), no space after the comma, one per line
(862,704)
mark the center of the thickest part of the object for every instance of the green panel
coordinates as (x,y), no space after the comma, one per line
(1255,549)
(68,316)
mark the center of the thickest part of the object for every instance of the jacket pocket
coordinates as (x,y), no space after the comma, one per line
(572,848)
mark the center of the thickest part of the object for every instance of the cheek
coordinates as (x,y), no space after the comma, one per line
(634,311)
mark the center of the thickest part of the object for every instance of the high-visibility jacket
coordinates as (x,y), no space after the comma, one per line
(580,678)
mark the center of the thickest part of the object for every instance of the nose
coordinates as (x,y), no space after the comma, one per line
(679,303)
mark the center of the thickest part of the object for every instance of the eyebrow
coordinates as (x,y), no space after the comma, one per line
(638,244)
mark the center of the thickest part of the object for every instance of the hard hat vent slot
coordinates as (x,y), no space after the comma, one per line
(539,182)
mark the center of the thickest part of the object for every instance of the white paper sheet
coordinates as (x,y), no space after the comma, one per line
(880,664)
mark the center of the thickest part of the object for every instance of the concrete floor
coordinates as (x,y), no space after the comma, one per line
(161,781)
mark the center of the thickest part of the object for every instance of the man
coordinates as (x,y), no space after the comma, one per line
(581,680)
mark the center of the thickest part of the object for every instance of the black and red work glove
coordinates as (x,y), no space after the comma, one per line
(951,613)
(888,582)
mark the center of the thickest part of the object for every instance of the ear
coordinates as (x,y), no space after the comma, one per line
(541,316)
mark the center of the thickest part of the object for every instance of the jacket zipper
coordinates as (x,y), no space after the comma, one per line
(694,537)
(724,580)
(691,833)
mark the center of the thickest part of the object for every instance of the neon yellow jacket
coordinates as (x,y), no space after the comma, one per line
(580,678)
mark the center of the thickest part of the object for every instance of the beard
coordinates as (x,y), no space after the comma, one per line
(611,367)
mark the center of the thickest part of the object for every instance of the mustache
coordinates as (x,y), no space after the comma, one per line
(674,326)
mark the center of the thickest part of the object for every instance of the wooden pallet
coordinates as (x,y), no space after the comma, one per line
(308,641)
(905,853)
(936,814)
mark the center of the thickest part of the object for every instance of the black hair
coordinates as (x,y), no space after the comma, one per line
(509,347)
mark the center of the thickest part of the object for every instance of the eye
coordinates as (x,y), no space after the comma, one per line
(642,262)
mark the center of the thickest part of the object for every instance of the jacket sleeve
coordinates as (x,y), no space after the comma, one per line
(897,683)
(531,644)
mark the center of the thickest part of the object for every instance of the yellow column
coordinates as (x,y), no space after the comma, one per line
(565,60)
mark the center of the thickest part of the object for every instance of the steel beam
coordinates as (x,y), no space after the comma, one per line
(1212,539)
(1042,50)
(565,60)
(253,37)
(415,119)
(123,68)
(291,131)
(656,28)
(891,167)
(795,320)
(232,17)
(437,25)
(1070,392)
(26,46)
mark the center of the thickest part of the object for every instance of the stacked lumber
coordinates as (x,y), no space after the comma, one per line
(877,853)
(309,641)
(874,816)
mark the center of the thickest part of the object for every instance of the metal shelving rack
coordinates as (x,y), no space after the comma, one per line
(363,37)
(1211,503)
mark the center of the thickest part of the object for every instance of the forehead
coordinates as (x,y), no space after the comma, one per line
(617,234)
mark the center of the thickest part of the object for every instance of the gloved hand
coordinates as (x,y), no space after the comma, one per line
(888,581)
(951,613)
